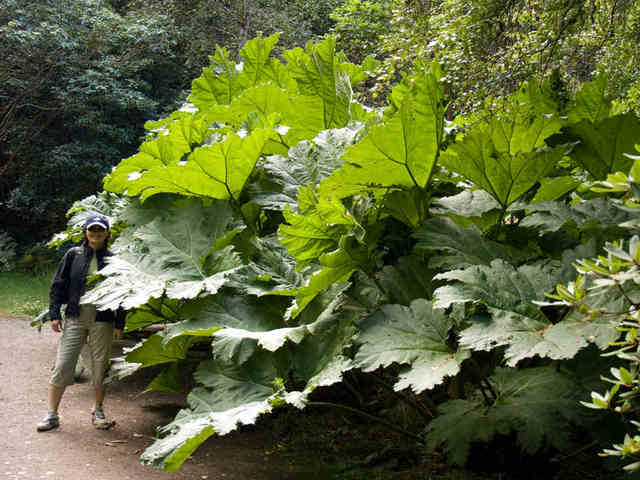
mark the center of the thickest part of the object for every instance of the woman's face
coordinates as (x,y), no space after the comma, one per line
(96,236)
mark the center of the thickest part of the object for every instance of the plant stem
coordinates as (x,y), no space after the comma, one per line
(581,449)
(487,400)
(490,387)
(428,412)
(353,390)
(235,204)
(368,416)
(624,294)
(483,382)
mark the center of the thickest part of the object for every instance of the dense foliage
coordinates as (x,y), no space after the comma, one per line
(79,79)
(77,83)
(615,273)
(201,25)
(490,47)
(301,235)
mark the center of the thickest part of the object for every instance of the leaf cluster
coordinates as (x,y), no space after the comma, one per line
(297,234)
(615,273)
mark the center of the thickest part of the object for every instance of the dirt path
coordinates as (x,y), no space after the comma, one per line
(77,451)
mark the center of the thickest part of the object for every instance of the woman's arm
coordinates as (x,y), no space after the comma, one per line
(59,291)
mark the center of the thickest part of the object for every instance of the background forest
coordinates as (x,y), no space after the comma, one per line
(350,204)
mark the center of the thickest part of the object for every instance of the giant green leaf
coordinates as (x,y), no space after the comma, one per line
(119,368)
(567,269)
(506,158)
(591,102)
(596,213)
(514,321)
(205,316)
(337,267)
(217,171)
(461,246)
(603,145)
(359,73)
(508,294)
(219,84)
(322,357)
(410,206)
(127,283)
(555,187)
(325,304)
(459,424)
(297,117)
(271,271)
(225,80)
(534,98)
(238,323)
(417,336)
(166,149)
(525,338)
(261,100)
(174,256)
(167,381)
(257,64)
(408,279)
(315,96)
(256,324)
(199,326)
(311,93)
(135,213)
(138,319)
(308,163)
(156,310)
(469,207)
(539,404)
(270,340)
(228,397)
(105,203)
(317,230)
(468,203)
(318,73)
(226,93)
(228,341)
(154,351)
(399,153)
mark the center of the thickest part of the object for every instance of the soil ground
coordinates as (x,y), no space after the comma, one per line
(77,450)
(318,444)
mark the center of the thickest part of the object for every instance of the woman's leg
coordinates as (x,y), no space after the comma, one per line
(100,393)
(74,336)
(55,395)
(99,341)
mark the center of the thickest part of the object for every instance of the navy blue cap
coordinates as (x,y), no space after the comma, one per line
(96,219)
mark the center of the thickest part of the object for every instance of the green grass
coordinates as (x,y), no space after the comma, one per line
(23,294)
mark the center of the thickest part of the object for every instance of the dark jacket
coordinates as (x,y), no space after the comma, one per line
(68,285)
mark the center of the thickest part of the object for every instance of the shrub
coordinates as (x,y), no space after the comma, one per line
(7,252)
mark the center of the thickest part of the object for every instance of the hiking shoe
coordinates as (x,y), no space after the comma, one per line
(99,420)
(50,422)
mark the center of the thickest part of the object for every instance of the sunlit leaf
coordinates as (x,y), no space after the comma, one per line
(417,335)
(398,153)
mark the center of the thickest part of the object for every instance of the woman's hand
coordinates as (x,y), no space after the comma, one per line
(117,334)
(55,326)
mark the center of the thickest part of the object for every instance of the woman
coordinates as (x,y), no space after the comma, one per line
(83,324)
